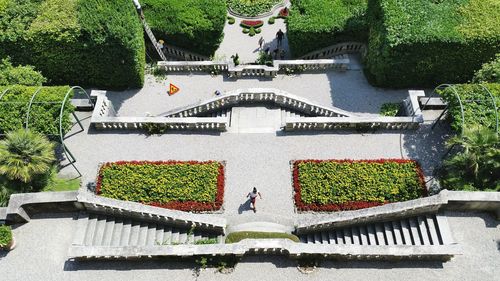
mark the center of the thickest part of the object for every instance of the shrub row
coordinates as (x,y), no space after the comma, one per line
(335,185)
(196,25)
(478,106)
(186,186)
(315,24)
(89,43)
(19,75)
(425,43)
(44,113)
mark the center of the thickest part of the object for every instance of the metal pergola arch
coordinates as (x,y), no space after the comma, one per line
(461,103)
(60,135)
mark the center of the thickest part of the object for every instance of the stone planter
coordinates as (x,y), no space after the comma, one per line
(10,246)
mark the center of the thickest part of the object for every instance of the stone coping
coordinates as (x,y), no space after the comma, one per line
(260,226)
(271,246)
(280,5)
(470,201)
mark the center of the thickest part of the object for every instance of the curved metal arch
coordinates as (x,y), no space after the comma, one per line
(29,106)
(494,105)
(452,86)
(61,133)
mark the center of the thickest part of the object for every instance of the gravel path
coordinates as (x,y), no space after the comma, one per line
(43,244)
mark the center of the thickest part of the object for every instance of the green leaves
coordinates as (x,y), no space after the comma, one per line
(251,8)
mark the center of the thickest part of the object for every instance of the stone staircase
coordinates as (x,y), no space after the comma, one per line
(111,231)
(422,230)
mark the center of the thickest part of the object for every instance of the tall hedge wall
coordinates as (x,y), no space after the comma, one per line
(96,43)
(196,25)
(44,117)
(314,24)
(424,43)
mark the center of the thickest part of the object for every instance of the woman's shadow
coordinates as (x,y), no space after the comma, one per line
(245,207)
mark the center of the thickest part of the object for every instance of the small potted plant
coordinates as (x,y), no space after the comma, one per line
(6,240)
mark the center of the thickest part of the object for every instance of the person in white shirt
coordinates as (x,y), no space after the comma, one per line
(253,196)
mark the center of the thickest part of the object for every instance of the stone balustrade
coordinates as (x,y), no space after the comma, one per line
(256,70)
(343,123)
(132,123)
(335,50)
(179,53)
(252,95)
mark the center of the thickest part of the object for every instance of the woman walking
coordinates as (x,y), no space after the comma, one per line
(253,196)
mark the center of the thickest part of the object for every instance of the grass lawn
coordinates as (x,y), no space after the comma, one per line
(60,184)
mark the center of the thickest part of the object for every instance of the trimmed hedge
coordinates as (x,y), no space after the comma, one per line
(480,113)
(236,237)
(195,25)
(71,43)
(186,186)
(334,185)
(424,43)
(489,72)
(44,117)
(251,8)
(315,24)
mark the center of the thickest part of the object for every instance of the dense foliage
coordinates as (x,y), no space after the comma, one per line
(187,186)
(478,107)
(489,72)
(19,75)
(477,165)
(424,43)
(315,24)
(251,8)
(334,185)
(390,109)
(5,235)
(196,25)
(236,237)
(71,43)
(44,112)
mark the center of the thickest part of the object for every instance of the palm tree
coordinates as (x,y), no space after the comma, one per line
(477,166)
(25,155)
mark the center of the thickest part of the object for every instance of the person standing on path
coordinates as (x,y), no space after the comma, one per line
(261,42)
(253,197)
(280,36)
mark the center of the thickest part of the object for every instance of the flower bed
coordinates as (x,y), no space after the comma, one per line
(251,8)
(284,13)
(336,185)
(185,186)
(251,23)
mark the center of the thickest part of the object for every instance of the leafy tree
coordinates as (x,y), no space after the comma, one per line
(25,156)
(477,165)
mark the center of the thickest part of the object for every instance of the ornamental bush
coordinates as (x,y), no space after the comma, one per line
(71,43)
(425,43)
(334,185)
(44,117)
(5,235)
(187,186)
(489,72)
(315,24)
(478,106)
(19,75)
(195,25)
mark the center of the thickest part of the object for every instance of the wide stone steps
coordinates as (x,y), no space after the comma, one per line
(424,230)
(104,230)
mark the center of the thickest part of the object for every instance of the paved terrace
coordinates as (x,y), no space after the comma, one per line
(261,160)
(43,243)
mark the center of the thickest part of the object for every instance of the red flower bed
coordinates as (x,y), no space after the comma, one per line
(353,205)
(251,23)
(176,205)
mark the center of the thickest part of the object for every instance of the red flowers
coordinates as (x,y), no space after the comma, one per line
(177,205)
(353,205)
(251,23)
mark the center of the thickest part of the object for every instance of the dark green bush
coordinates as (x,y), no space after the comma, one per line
(19,75)
(271,20)
(196,25)
(71,43)
(425,43)
(44,117)
(252,31)
(315,24)
(489,72)
(231,20)
(5,235)
(478,106)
